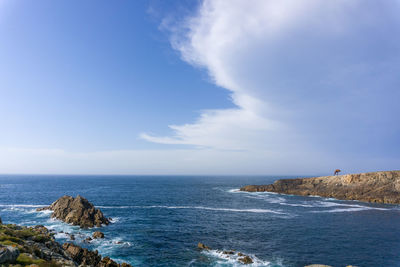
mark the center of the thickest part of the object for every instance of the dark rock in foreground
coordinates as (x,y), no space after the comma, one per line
(379,187)
(77,211)
(35,246)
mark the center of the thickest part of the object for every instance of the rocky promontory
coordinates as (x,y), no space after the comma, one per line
(35,246)
(379,187)
(77,211)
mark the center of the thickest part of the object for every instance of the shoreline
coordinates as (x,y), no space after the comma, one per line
(374,187)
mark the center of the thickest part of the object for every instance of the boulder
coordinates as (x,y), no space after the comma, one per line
(77,211)
(82,256)
(98,234)
(8,254)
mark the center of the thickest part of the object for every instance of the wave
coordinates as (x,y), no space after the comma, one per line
(193,207)
(217,209)
(360,208)
(232,259)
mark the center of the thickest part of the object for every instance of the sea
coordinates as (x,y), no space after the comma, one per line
(159,220)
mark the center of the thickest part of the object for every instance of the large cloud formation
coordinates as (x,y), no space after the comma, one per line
(308,77)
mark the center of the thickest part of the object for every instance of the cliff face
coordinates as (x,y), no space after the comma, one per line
(380,187)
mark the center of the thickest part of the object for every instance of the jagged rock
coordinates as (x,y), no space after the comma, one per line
(228,252)
(240,254)
(85,257)
(98,234)
(8,254)
(1,222)
(381,187)
(77,211)
(202,246)
(246,260)
(82,256)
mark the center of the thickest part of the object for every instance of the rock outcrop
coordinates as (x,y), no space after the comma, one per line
(379,187)
(35,246)
(85,257)
(98,234)
(31,245)
(77,211)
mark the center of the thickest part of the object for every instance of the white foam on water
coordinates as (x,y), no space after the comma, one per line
(360,208)
(235,190)
(61,235)
(115,207)
(216,209)
(233,259)
(115,219)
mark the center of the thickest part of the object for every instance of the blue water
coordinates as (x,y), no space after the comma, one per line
(158,221)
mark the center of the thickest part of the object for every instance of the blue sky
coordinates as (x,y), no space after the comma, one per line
(199,87)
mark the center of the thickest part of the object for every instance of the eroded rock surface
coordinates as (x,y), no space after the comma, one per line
(85,257)
(380,187)
(77,211)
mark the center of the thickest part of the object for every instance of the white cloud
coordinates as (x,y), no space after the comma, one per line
(298,71)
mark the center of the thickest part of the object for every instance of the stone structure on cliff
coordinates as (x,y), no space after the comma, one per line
(379,187)
(77,211)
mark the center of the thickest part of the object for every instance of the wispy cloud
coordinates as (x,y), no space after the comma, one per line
(309,76)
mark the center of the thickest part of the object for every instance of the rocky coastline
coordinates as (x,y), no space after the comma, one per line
(377,187)
(36,246)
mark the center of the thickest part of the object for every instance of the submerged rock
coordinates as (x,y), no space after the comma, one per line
(77,211)
(380,187)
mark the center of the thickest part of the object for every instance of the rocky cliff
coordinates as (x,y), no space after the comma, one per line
(380,187)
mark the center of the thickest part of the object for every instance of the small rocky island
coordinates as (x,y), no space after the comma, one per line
(379,187)
(77,211)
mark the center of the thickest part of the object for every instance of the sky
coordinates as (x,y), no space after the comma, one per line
(233,87)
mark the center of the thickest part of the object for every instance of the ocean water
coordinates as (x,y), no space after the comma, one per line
(158,221)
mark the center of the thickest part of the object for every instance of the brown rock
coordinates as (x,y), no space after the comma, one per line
(98,234)
(246,260)
(202,246)
(82,256)
(77,211)
(381,187)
